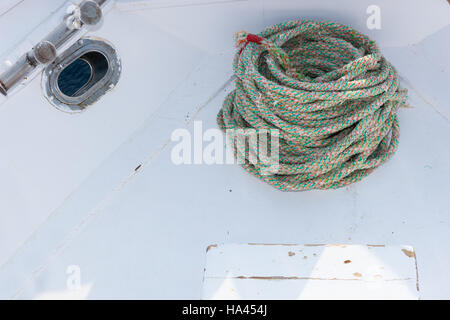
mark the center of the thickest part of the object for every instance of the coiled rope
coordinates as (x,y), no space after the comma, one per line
(330,93)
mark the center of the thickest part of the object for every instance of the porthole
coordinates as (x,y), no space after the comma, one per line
(81,75)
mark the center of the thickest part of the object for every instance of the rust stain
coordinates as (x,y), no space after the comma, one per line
(290,253)
(211,246)
(357,274)
(408,253)
(305,257)
(314,245)
(347,261)
(376,245)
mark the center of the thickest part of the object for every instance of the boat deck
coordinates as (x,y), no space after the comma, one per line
(98,190)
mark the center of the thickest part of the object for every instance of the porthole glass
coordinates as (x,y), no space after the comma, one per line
(74,77)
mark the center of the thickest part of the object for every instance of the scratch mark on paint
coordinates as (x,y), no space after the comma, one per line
(304,278)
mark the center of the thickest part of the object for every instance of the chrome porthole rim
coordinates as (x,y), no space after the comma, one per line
(77,104)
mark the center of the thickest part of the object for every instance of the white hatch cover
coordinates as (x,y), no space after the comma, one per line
(310,271)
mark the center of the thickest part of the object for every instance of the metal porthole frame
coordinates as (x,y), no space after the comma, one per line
(81,47)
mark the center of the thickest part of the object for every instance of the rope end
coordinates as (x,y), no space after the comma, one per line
(241,37)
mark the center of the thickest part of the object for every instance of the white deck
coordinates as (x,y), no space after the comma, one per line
(70,195)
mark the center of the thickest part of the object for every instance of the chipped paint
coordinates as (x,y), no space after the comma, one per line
(211,246)
(347,261)
(409,253)
(290,253)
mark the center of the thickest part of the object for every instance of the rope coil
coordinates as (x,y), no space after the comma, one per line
(330,93)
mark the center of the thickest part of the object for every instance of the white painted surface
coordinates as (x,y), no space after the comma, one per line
(20,18)
(7,5)
(48,153)
(404,22)
(69,193)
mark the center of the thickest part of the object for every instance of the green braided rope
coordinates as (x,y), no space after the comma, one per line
(330,93)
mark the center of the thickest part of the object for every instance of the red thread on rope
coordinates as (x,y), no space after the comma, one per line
(254,38)
(251,38)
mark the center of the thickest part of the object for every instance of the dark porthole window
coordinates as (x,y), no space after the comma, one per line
(74,77)
(81,75)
